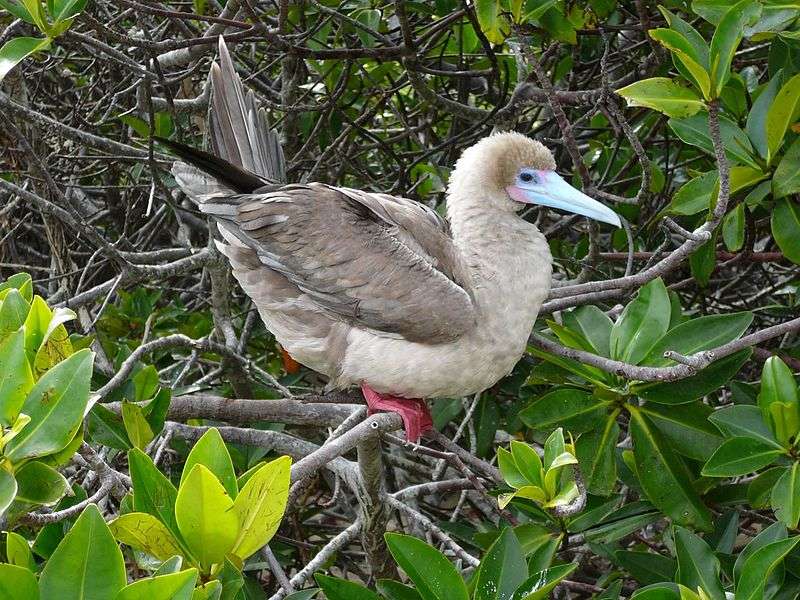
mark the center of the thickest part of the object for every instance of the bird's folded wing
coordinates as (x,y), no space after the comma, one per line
(373,260)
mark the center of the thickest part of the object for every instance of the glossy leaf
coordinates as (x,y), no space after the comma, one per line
(694,130)
(16,379)
(173,586)
(786,228)
(782,112)
(433,575)
(153,493)
(779,401)
(18,551)
(18,49)
(210,451)
(643,322)
(394,590)
(785,497)
(502,570)
(260,505)
(593,324)
(646,567)
(697,335)
(756,126)
(596,454)
(706,381)
(698,567)
(205,517)
(574,409)
(539,585)
(87,565)
(739,456)
(686,427)
(664,476)
(686,58)
(40,484)
(55,405)
(733,228)
(786,179)
(743,421)
(136,426)
(336,588)
(759,566)
(8,490)
(726,39)
(13,312)
(146,533)
(17,583)
(663,95)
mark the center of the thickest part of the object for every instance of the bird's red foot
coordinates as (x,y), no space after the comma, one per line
(414,412)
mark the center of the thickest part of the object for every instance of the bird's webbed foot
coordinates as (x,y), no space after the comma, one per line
(414,411)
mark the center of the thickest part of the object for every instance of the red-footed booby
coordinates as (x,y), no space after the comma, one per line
(374,290)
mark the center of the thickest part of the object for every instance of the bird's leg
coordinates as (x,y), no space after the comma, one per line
(414,412)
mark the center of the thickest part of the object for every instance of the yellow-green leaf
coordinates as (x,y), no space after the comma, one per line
(664,95)
(146,533)
(205,516)
(260,506)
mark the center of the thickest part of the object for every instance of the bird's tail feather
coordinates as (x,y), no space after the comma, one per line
(247,155)
(240,131)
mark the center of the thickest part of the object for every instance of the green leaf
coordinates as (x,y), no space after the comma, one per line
(18,281)
(778,400)
(785,497)
(643,322)
(726,39)
(17,583)
(664,95)
(394,590)
(434,576)
(8,490)
(144,532)
(697,335)
(694,196)
(490,20)
(153,493)
(703,261)
(733,228)
(786,228)
(136,426)
(686,58)
(16,379)
(87,565)
(205,516)
(759,490)
(13,312)
(690,33)
(342,589)
(783,111)
(596,454)
(527,462)
(686,427)
(694,130)
(509,470)
(539,585)
(66,9)
(756,126)
(759,566)
(572,408)
(743,421)
(696,386)
(739,456)
(18,49)
(698,566)
(17,9)
(593,324)
(502,570)
(173,586)
(106,427)
(18,551)
(664,477)
(646,567)
(211,452)
(39,317)
(55,405)
(786,179)
(40,484)
(260,505)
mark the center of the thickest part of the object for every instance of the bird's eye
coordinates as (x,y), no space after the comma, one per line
(527,177)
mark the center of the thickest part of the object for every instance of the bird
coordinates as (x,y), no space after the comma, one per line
(373,290)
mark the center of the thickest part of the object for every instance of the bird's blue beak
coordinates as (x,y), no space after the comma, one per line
(549,189)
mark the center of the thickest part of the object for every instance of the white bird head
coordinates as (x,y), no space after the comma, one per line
(509,170)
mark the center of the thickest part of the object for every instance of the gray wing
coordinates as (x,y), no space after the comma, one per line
(372,260)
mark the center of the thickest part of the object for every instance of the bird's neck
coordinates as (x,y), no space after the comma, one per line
(507,260)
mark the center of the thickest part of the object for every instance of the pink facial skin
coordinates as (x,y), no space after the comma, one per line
(516,193)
